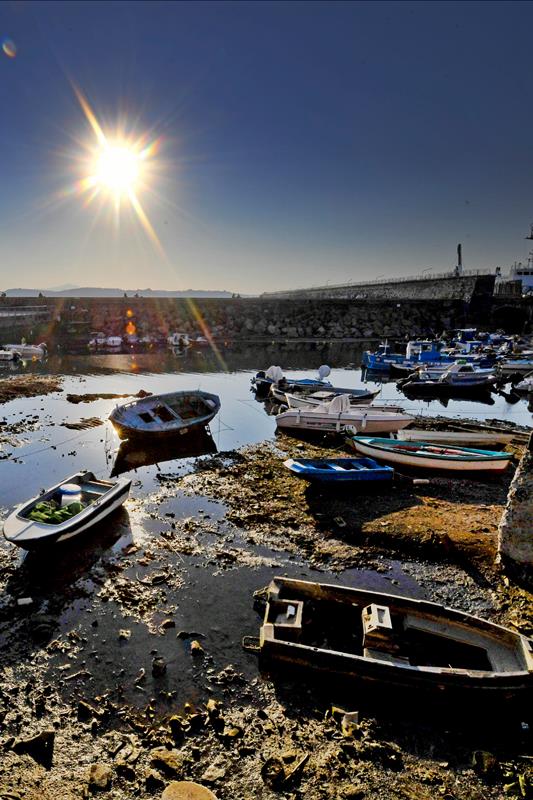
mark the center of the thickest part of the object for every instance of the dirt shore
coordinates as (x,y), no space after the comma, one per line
(70,726)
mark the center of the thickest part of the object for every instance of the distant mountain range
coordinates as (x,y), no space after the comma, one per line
(69,290)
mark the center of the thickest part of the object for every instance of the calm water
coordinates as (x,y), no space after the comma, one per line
(50,451)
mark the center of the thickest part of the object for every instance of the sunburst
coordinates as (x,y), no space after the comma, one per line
(116,168)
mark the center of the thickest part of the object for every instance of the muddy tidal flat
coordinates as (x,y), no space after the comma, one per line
(122,668)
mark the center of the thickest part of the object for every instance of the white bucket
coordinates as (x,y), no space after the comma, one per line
(70,493)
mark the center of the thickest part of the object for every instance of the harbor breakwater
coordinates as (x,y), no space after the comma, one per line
(71,320)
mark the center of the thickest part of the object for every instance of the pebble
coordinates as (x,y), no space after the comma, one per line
(187,790)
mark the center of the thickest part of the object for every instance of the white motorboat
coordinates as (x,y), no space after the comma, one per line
(178,340)
(24,350)
(338,415)
(64,511)
(9,356)
(358,397)
(525,386)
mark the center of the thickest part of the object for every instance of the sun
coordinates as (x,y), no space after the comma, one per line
(118,169)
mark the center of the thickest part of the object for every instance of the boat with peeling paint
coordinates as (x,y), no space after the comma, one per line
(392,642)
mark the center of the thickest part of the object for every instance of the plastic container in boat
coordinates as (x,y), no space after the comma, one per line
(70,493)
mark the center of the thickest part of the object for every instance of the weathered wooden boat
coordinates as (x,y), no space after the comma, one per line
(428,455)
(338,470)
(464,438)
(338,415)
(159,416)
(65,511)
(394,643)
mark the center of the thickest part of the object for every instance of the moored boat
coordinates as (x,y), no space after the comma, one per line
(464,375)
(394,643)
(510,366)
(338,415)
(525,386)
(263,381)
(178,340)
(38,351)
(338,470)
(357,397)
(464,438)
(9,356)
(65,511)
(429,455)
(164,415)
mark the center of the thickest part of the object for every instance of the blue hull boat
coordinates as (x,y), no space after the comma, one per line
(339,470)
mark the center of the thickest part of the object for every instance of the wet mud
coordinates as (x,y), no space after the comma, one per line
(122,665)
(28,386)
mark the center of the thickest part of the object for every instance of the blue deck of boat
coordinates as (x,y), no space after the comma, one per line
(339,469)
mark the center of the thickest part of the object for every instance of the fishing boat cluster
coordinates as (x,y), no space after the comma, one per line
(392,641)
(470,362)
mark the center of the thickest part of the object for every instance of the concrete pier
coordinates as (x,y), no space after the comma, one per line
(515,532)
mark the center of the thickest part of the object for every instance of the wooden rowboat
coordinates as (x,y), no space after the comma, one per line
(338,470)
(160,416)
(428,455)
(48,520)
(395,643)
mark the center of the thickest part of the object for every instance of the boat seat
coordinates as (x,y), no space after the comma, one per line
(390,658)
(378,630)
(286,615)
(94,487)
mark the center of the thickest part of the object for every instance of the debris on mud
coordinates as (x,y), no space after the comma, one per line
(90,397)
(84,424)
(28,386)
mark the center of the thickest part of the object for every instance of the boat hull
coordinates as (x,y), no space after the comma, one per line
(315,421)
(427,461)
(352,471)
(34,536)
(151,419)
(468,686)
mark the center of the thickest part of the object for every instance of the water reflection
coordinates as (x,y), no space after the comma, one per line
(133,455)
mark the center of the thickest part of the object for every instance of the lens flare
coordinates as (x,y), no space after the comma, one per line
(9,47)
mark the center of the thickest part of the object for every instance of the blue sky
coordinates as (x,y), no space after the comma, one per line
(300,142)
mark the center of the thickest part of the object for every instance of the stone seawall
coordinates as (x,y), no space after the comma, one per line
(446,287)
(72,320)
(238,318)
